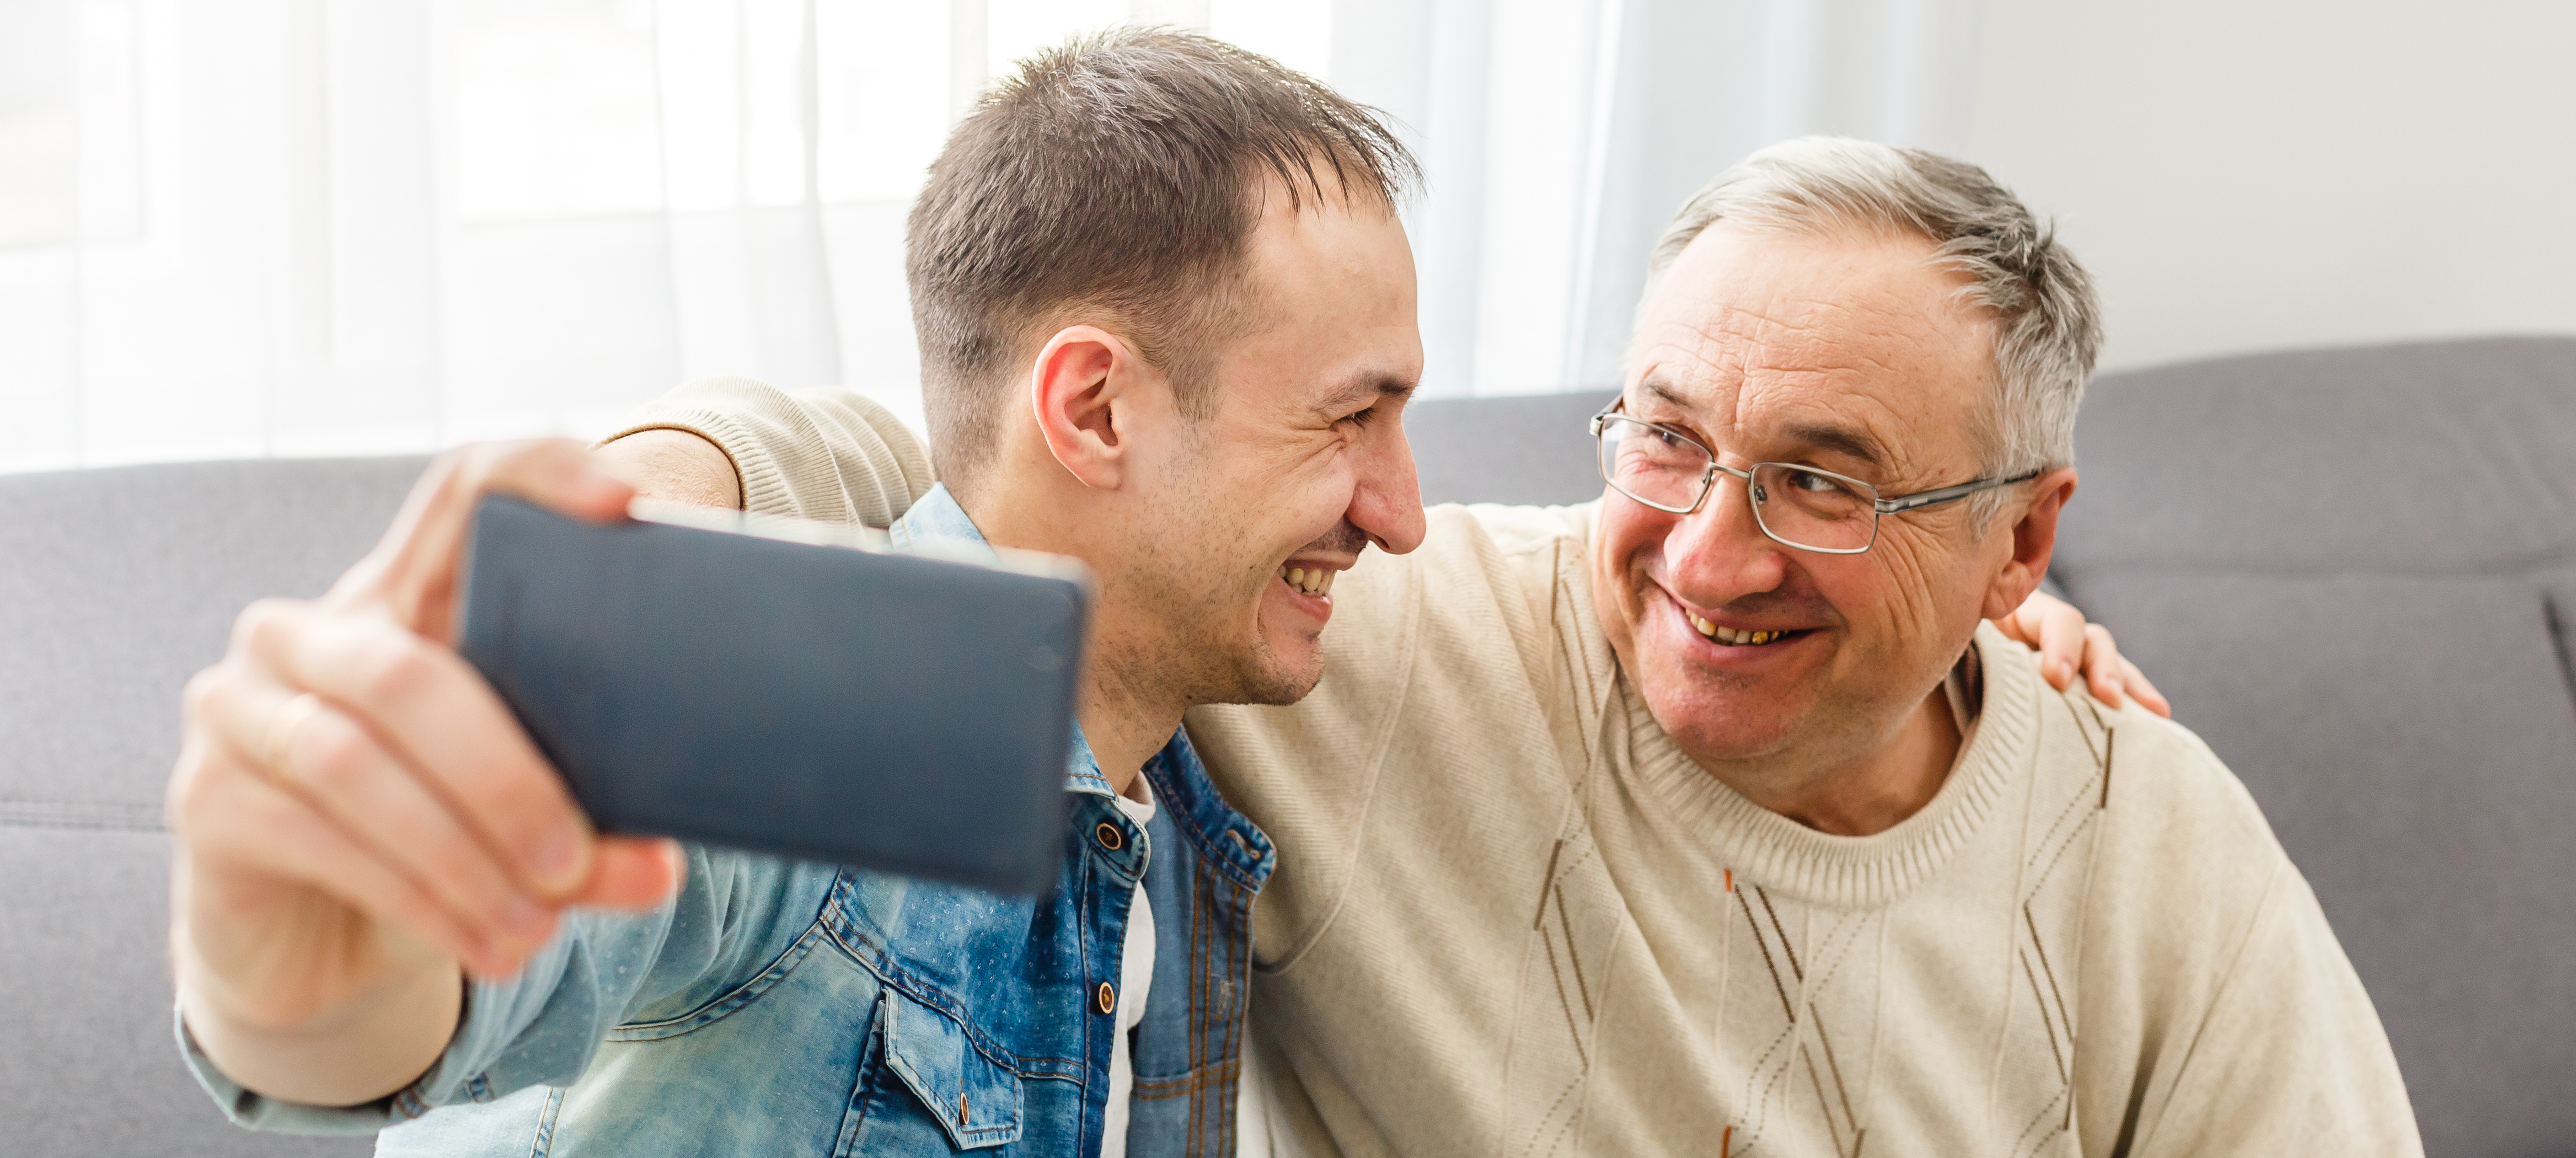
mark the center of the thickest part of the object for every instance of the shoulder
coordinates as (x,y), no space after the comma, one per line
(1478,562)
(2184,870)
(1455,634)
(2168,790)
(2154,782)
(2219,1010)
(1519,547)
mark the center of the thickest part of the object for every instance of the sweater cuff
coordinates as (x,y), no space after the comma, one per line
(763,490)
(817,454)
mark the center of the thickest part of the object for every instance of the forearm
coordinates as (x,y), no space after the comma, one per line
(376,1042)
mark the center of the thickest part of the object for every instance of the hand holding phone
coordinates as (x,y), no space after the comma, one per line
(358,819)
(777,687)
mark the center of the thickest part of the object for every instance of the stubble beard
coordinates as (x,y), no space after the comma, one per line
(1208,656)
(1206,652)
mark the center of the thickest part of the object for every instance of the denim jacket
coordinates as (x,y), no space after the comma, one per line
(779,1007)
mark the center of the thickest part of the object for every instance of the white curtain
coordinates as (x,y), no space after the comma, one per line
(235,228)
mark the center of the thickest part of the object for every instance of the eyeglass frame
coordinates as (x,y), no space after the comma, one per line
(1879,507)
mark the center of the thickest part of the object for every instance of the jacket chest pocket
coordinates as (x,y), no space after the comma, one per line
(975,1100)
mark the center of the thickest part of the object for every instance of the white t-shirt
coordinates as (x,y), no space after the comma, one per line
(1135,981)
(1255,1135)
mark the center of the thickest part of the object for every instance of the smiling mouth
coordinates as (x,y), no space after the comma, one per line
(1309,580)
(1730,637)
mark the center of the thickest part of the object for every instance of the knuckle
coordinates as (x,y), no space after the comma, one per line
(263,625)
(198,696)
(391,669)
(335,760)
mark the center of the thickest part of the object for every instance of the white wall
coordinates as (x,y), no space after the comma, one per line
(2239,175)
(2252,175)
(361,226)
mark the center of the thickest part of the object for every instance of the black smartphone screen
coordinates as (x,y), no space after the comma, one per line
(868,708)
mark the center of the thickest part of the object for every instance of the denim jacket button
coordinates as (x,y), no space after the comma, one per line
(1106,998)
(1110,837)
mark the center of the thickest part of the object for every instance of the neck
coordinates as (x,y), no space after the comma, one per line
(1122,720)
(1123,717)
(1866,794)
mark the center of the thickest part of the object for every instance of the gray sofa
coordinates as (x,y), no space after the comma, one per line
(2355,571)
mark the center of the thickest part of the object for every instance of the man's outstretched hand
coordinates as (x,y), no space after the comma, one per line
(2067,644)
(360,820)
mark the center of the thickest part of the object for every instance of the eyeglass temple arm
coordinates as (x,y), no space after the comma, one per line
(1923,499)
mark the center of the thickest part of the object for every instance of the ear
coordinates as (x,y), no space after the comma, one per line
(2034,540)
(1090,391)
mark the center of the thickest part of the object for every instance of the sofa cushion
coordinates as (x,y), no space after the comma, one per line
(118,585)
(91,1067)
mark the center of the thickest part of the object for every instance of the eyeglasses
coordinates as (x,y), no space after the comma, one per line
(1797,506)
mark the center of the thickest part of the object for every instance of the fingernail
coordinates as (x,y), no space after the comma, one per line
(557,859)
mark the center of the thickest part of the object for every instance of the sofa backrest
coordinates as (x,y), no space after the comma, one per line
(115,586)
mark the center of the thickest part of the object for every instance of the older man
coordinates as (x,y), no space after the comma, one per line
(1705,819)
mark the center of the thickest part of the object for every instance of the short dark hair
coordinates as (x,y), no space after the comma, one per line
(1121,172)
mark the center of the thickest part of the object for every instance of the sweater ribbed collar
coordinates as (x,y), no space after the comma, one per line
(1851,872)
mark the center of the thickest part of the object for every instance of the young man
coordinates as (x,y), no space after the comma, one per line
(1167,320)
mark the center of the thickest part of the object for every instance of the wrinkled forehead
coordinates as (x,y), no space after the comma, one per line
(1860,343)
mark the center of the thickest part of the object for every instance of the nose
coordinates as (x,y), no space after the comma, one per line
(1718,553)
(1387,503)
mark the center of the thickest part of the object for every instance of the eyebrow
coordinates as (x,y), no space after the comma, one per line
(1375,386)
(1837,438)
(1819,435)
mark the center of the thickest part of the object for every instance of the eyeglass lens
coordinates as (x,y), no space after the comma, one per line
(1802,508)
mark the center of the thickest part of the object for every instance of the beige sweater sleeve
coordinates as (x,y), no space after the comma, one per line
(2290,1057)
(818,454)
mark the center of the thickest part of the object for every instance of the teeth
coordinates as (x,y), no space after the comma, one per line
(1312,581)
(1730,636)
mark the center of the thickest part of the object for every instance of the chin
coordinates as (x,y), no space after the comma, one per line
(1721,717)
(1270,671)
(1284,676)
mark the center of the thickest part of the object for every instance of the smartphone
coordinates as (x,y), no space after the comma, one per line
(788,687)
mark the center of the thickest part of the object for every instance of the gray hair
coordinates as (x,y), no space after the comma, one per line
(2048,319)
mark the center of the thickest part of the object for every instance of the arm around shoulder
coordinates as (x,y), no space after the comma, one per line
(820,454)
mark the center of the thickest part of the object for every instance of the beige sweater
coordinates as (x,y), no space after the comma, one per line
(1512,918)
